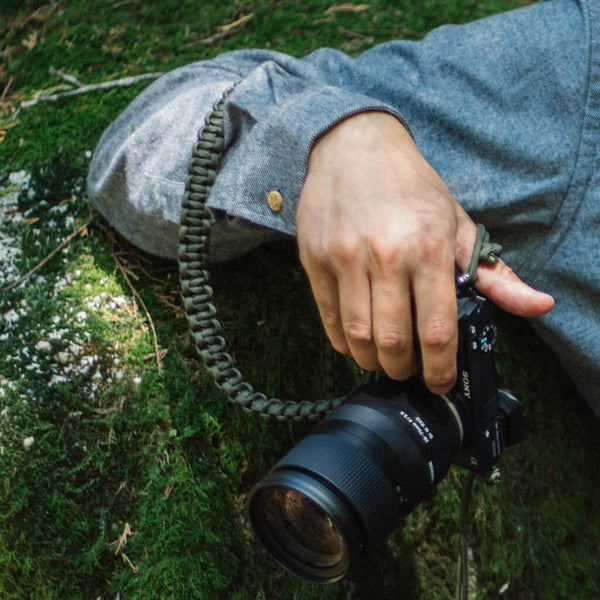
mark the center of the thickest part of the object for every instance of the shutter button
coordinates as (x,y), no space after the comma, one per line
(275,200)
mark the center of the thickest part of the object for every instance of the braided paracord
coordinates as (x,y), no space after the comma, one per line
(197,294)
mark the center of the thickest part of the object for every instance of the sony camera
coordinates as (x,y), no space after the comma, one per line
(346,486)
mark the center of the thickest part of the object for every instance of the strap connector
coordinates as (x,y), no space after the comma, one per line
(485,252)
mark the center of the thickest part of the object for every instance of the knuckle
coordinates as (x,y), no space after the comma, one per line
(384,251)
(330,317)
(438,334)
(346,250)
(504,271)
(432,243)
(392,342)
(358,332)
(314,254)
(341,247)
(504,275)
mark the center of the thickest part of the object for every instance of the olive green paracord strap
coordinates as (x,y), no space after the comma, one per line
(197,293)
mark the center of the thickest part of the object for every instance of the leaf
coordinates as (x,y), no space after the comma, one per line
(30,42)
(233,25)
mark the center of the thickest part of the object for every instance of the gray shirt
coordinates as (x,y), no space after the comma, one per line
(506,109)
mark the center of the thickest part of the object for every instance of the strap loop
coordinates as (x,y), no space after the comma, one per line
(484,251)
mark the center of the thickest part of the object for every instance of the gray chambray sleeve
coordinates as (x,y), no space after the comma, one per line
(272,119)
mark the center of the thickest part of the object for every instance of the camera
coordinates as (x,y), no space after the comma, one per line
(347,485)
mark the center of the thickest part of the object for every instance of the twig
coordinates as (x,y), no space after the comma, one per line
(221,35)
(120,544)
(13,117)
(225,31)
(53,253)
(128,562)
(355,34)
(68,78)
(7,87)
(10,125)
(136,295)
(122,541)
(347,7)
(122,3)
(85,89)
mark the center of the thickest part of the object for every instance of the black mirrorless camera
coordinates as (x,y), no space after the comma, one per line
(371,461)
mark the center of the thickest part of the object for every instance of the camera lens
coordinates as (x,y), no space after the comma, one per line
(303,524)
(302,527)
(346,486)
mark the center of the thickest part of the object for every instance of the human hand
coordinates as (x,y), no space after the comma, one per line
(379,236)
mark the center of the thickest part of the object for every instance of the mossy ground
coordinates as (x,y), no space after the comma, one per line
(124,476)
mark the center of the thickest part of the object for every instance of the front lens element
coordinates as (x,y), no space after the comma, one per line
(301,528)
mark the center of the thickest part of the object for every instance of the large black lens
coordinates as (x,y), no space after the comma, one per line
(347,485)
(302,527)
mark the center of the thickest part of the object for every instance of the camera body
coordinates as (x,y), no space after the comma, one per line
(371,461)
(494,417)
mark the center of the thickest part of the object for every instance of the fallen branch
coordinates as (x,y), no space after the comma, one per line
(56,250)
(85,89)
(122,541)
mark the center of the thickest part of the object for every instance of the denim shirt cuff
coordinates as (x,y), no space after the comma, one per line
(272,120)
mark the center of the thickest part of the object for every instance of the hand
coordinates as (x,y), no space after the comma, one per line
(379,236)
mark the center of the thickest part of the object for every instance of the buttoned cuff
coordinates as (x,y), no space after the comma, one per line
(272,120)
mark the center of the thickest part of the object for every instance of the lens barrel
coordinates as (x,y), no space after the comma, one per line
(347,485)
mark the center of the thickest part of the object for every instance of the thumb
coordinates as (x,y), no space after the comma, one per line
(502,286)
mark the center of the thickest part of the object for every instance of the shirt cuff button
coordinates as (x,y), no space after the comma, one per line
(275,200)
